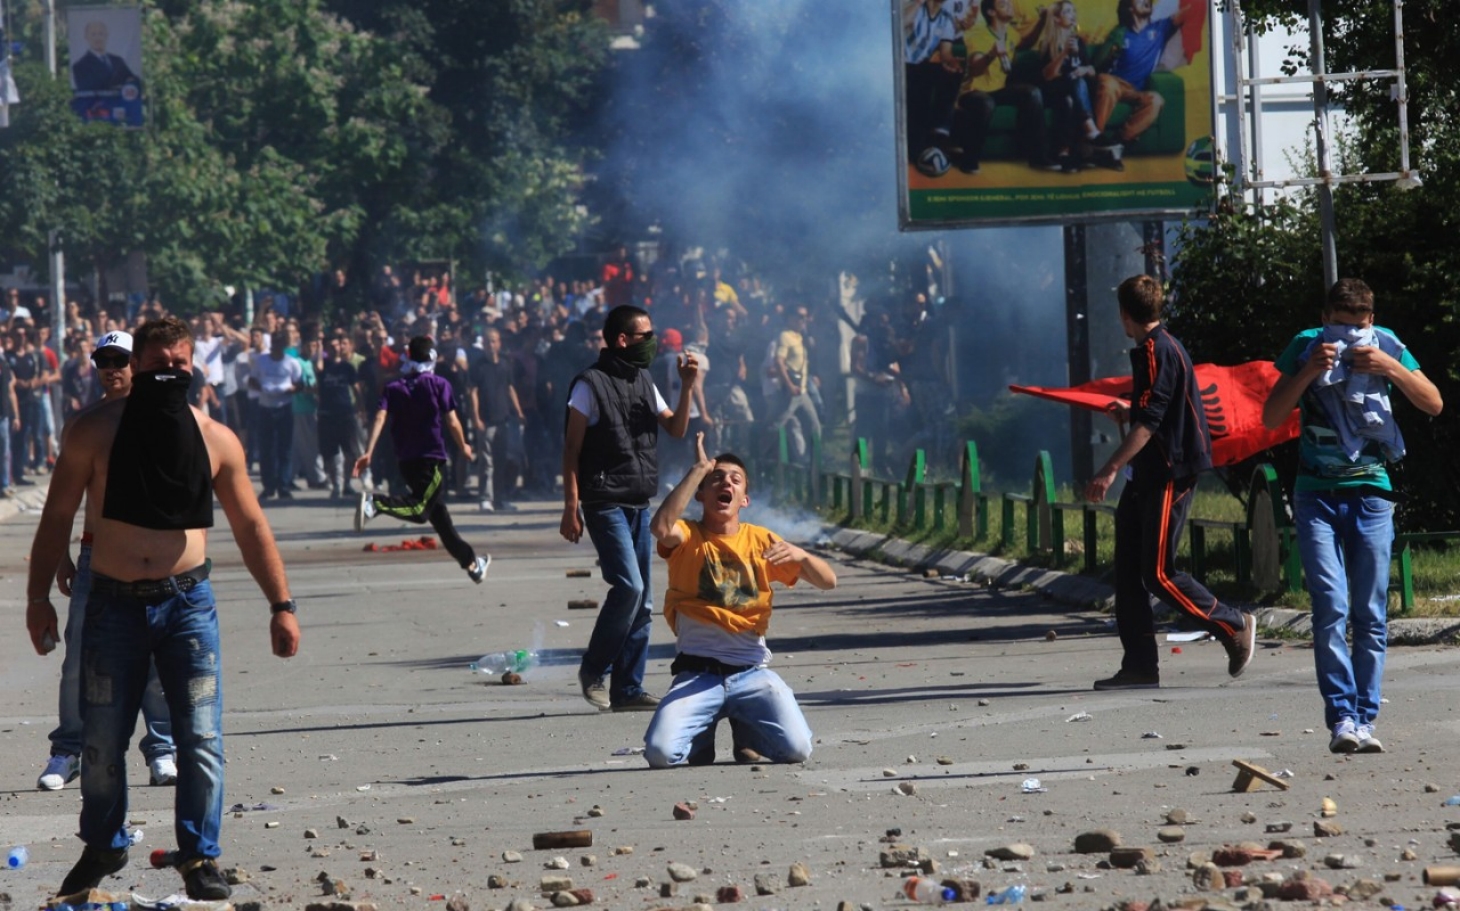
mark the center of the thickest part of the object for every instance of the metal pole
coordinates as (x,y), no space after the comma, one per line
(1077,335)
(57,258)
(1238,155)
(1320,145)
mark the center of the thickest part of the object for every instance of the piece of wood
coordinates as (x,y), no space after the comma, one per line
(576,838)
(579,573)
(1251,777)
(584,604)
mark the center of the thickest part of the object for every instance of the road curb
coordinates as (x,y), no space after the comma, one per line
(26,499)
(1089,594)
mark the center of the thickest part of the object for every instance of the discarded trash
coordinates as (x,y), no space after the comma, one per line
(363,787)
(628,751)
(1452,801)
(927,891)
(424,542)
(1152,735)
(1010,896)
(162,857)
(136,835)
(1080,716)
(1283,773)
(17,857)
(1032,786)
(258,807)
(561,622)
(576,838)
(502,662)
(1193,636)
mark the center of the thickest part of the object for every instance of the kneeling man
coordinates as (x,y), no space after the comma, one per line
(719,606)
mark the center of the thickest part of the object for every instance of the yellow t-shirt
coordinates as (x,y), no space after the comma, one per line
(792,349)
(981,40)
(724,579)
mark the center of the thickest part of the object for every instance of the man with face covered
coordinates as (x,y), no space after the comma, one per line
(610,472)
(154,464)
(112,360)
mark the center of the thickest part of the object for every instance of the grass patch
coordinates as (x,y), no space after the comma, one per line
(1436,566)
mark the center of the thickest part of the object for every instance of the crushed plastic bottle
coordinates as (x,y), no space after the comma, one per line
(1013,895)
(927,891)
(502,662)
(17,857)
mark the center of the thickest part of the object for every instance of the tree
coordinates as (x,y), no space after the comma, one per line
(1248,279)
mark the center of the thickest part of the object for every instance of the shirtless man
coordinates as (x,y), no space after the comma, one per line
(150,596)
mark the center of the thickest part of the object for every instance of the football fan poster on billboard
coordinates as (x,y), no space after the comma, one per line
(106,64)
(1052,111)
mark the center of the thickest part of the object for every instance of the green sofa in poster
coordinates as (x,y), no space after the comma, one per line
(1167,136)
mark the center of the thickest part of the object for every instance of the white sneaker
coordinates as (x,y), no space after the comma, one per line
(163,770)
(1345,737)
(478,570)
(364,510)
(1368,743)
(486,506)
(59,770)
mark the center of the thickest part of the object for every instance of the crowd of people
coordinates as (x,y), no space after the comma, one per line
(148,467)
(300,378)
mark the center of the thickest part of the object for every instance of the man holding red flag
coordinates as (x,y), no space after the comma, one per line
(1168,445)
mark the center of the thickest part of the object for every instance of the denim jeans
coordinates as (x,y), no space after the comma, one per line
(276,447)
(771,721)
(66,738)
(1344,540)
(122,637)
(619,646)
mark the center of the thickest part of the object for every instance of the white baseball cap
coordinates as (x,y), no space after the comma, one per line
(116,339)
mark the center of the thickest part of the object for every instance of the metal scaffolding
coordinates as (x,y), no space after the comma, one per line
(1248,98)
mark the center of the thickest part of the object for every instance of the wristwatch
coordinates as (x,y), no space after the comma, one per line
(280,606)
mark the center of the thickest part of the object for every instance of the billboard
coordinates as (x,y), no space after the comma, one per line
(106,64)
(1052,111)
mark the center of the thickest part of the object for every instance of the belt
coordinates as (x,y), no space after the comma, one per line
(698,664)
(143,589)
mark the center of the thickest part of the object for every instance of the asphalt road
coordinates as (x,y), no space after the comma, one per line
(386,747)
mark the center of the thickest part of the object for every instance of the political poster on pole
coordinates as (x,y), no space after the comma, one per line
(1052,111)
(106,64)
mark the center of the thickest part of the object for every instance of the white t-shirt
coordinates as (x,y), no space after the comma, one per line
(208,357)
(582,400)
(278,380)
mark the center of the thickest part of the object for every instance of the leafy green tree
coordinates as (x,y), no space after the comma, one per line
(1247,280)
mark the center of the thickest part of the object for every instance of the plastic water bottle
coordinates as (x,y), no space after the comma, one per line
(1010,896)
(927,891)
(17,857)
(502,662)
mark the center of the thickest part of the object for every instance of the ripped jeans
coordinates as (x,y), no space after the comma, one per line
(122,638)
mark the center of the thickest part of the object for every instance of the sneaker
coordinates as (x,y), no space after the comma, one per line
(478,570)
(640,703)
(91,869)
(1345,737)
(1368,743)
(204,883)
(594,691)
(364,510)
(59,770)
(163,770)
(1126,680)
(486,506)
(1240,649)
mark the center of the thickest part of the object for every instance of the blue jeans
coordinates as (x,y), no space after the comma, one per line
(684,723)
(619,646)
(1344,541)
(276,447)
(66,738)
(122,637)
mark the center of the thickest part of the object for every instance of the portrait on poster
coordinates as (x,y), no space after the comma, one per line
(1052,110)
(106,64)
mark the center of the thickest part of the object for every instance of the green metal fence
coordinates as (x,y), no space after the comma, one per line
(1264,546)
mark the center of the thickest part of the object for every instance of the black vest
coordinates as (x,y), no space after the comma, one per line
(619,464)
